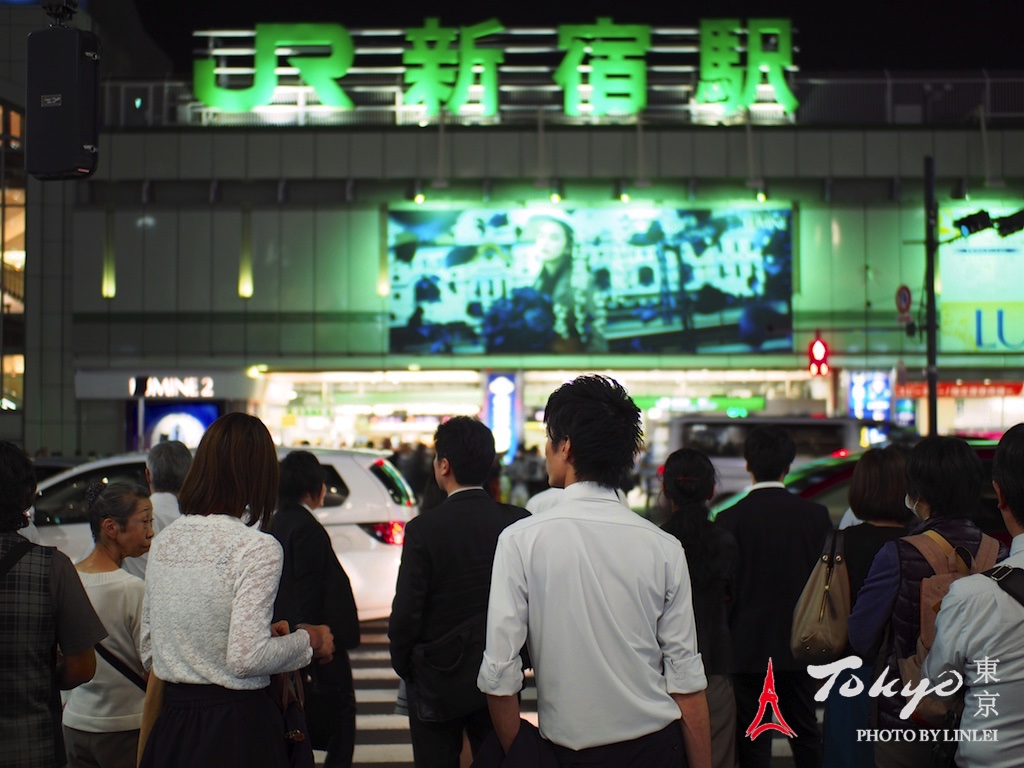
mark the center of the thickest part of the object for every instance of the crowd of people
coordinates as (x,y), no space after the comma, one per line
(649,646)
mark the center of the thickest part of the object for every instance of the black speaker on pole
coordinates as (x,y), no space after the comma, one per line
(62,127)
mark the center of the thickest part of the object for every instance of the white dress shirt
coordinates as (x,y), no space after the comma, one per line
(210,590)
(606,598)
(979,621)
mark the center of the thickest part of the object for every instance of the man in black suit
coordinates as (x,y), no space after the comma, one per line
(440,606)
(779,538)
(316,590)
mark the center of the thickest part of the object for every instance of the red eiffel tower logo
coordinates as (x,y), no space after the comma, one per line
(769,696)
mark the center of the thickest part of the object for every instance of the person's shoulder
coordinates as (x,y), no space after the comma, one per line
(511,513)
(972,586)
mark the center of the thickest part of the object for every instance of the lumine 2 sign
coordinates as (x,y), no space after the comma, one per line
(603,70)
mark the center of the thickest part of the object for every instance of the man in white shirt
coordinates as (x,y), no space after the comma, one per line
(166,467)
(602,597)
(978,633)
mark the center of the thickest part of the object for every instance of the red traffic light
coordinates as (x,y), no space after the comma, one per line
(817,354)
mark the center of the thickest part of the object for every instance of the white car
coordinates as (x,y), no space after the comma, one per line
(367,506)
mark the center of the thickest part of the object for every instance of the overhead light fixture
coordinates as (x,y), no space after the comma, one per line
(622,191)
(557,191)
(976,222)
(1007,225)
(418,195)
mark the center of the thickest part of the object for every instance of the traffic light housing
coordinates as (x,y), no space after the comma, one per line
(817,357)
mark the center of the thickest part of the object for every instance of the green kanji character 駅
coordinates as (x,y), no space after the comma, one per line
(721,77)
(769,53)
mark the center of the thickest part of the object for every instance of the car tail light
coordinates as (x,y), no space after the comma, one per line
(392,532)
(842,453)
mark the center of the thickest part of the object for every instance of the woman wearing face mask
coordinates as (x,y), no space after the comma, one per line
(944,477)
(877,492)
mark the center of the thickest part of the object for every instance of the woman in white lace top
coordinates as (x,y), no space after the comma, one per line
(206,620)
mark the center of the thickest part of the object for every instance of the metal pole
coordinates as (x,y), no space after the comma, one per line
(931,322)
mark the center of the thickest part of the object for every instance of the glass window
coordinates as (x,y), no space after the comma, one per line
(64,503)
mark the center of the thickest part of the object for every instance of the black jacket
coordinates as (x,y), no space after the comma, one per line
(778,537)
(314,586)
(445,576)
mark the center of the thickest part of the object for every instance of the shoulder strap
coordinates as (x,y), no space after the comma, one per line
(988,553)
(1010,579)
(14,554)
(936,550)
(947,549)
(120,666)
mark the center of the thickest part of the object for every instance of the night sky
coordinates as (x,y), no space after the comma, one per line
(900,35)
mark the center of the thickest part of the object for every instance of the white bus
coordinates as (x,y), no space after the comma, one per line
(722,438)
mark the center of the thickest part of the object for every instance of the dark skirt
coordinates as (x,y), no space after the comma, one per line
(207,725)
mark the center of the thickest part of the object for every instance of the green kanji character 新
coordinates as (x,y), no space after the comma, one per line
(442,75)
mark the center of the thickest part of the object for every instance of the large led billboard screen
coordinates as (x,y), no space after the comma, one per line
(590,280)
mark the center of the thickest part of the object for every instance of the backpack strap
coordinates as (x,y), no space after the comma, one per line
(988,553)
(1010,579)
(14,554)
(936,550)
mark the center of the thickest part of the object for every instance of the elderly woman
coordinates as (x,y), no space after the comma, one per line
(42,605)
(944,477)
(102,717)
(206,621)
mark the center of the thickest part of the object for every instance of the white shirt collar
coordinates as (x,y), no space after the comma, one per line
(768,484)
(466,488)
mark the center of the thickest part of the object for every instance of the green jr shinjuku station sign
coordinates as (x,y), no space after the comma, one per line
(443,64)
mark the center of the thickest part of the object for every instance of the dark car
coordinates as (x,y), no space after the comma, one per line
(827,481)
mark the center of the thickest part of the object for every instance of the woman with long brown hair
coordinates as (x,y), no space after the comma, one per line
(206,626)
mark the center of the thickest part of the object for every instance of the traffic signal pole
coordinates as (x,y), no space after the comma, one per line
(931,215)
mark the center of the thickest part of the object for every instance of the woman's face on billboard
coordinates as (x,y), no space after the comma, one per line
(551,241)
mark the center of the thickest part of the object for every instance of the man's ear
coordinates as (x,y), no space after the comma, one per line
(565,450)
(444,467)
(1000,498)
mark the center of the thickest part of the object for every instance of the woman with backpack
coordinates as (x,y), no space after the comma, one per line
(944,477)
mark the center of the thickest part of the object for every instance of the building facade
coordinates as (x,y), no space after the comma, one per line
(356,272)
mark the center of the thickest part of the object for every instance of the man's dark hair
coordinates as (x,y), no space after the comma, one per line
(1008,470)
(947,473)
(17,487)
(168,463)
(769,451)
(469,447)
(603,425)
(301,475)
